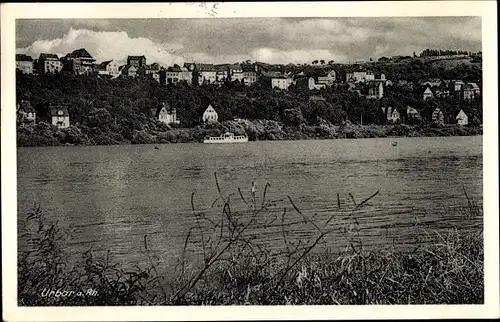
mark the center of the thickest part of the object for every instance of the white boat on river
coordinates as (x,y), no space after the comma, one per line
(226,138)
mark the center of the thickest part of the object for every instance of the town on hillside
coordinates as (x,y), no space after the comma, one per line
(361,77)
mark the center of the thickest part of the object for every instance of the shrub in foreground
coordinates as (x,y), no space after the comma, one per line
(446,269)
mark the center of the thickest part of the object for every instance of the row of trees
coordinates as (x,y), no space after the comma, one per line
(440,52)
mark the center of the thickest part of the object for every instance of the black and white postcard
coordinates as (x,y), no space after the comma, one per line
(194,161)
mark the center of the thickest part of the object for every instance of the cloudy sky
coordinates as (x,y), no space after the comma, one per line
(273,40)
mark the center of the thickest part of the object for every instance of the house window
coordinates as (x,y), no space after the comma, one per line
(59,112)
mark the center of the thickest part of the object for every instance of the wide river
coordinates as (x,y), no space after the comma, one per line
(111,196)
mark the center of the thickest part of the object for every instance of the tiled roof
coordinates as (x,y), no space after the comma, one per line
(79,53)
(54,110)
(205,67)
(174,69)
(23,57)
(127,67)
(471,86)
(104,64)
(411,110)
(26,106)
(48,56)
(136,57)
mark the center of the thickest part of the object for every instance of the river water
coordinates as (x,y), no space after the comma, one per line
(111,196)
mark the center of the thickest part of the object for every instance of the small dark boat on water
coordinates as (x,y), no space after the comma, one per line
(156,148)
(394,143)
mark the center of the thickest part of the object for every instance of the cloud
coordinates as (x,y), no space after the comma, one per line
(276,40)
(106,45)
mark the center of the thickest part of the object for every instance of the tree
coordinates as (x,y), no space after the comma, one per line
(314,62)
(293,117)
(331,62)
(322,62)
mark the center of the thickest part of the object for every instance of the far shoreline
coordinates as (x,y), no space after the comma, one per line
(279,133)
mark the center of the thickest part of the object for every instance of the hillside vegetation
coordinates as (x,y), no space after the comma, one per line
(115,111)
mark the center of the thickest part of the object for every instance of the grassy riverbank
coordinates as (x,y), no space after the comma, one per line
(446,268)
(258,130)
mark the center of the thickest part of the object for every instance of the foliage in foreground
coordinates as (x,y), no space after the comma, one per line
(447,269)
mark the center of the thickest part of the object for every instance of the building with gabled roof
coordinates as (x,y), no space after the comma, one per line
(282,82)
(221,73)
(427,93)
(392,114)
(437,116)
(25,111)
(109,67)
(471,91)
(79,62)
(165,113)
(236,73)
(412,113)
(60,116)
(462,118)
(210,115)
(375,89)
(311,84)
(24,63)
(137,61)
(249,74)
(204,74)
(129,70)
(49,63)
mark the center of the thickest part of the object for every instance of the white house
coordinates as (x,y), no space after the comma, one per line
(129,71)
(109,67)
(186,75)
(210,115)
(312,84)
(438,116)
(462,118)
(281,82)
(392,114)
(166,114)
(156,77)
(457,85)
(49,63)
(328,79)
(412,113)
(470,91)
(206,73)
(428,93)
(60,116)
(26,111)
(24,63)
(375,89)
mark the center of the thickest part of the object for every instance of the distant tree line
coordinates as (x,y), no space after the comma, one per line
(440,52)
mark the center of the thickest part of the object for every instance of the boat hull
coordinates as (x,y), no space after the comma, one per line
(226,141)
